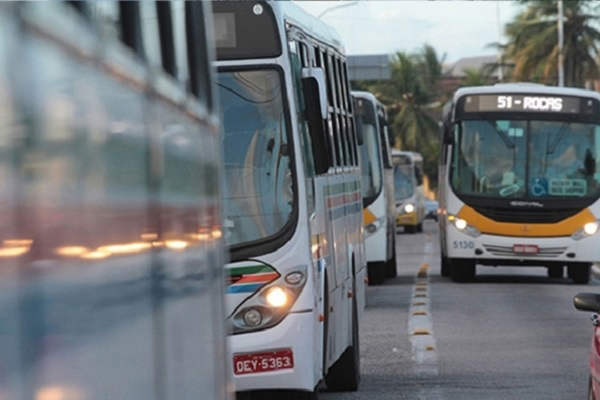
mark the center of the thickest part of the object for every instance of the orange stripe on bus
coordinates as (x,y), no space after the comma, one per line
(565,227)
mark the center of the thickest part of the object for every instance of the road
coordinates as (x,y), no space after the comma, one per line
(513,333)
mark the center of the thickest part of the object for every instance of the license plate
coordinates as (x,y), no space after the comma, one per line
(525,249)
(263,362)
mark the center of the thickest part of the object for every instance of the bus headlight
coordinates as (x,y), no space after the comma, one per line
(460,224)
(374,226)
(252,317)
(589,229)
(463,226)
(409,208)
(276,297)
(270,304)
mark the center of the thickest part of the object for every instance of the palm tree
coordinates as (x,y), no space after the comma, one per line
(476,77)
(533,44)
(412,101)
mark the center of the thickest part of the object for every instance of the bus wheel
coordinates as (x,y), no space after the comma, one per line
(410,228)
(390,268)
(314,395)
(344,375)
(579,273)
(376,272)
(446,267)
(555,271)
(419,227)
(462,270)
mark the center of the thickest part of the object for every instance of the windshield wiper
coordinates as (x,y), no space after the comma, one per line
(501,133)
(561,134)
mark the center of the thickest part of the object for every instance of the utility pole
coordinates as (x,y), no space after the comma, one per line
(500,62)
(561,39)
(346,4)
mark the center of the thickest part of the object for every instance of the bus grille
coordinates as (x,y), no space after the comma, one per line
(531,216)
(506,251)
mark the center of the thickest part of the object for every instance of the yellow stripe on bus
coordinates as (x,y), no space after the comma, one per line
(565,227)
(368,217)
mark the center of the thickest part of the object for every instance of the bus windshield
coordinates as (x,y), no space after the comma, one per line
(526,159)
(370,163)
(259,190)
(404,184)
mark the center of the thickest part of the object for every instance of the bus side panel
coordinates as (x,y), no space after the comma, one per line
(190,289)
(86,288)
(388,188)
(11,382)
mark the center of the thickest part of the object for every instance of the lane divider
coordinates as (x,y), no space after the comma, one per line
(420,327)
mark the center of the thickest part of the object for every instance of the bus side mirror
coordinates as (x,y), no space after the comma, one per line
(447,133)
(315,113)
(360,137)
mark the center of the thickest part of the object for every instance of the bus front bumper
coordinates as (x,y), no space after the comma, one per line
(504,250)
(295,333)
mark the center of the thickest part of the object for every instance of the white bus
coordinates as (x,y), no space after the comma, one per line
(519,180)
(111,256)
(379,211)
(293,207)
(409,190)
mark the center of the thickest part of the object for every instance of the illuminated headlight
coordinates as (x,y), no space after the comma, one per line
(409,208)
(276,297)
(463,226)
(460,224)
(589,229)
(271,304)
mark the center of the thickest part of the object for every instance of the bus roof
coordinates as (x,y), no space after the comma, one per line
(526,88)
(296,16)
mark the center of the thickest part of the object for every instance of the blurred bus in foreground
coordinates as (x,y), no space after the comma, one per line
(520,180)
(409,190)
(110,238)
(293,207)
(379,211)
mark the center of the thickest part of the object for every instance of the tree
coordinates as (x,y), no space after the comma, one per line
(533,43)
(476,77)
(412,99)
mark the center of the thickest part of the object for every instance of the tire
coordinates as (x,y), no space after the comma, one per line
(314,395)
(410,228)
(445,267)
(419,227)
(344,375)
(463,270)
(555,271)
(390,267)
(376,272)
(579,273)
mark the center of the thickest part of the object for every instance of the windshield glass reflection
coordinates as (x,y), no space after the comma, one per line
(259,196)
(526,159)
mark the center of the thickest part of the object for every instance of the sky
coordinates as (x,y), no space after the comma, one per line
(457,28)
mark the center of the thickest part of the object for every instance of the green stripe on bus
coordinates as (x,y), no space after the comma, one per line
(340,188)
(250,270)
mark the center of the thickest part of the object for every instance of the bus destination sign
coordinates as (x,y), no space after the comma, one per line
(522,103)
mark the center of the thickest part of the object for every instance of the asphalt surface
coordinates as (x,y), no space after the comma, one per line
(513,333)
